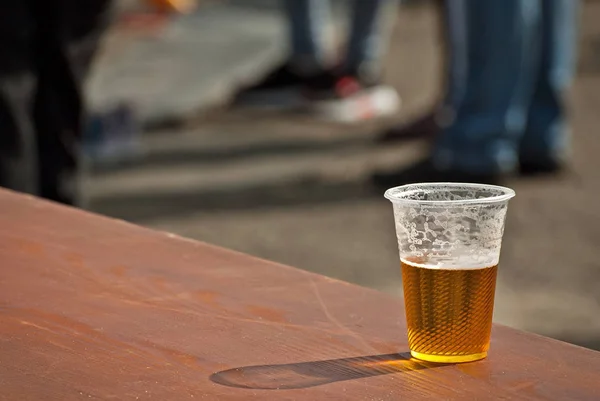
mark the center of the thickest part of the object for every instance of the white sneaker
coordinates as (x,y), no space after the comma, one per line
(365,104)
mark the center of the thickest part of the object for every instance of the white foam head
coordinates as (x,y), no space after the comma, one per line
(450,225)
(449,263)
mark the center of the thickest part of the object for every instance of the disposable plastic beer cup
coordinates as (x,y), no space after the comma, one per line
(449,237)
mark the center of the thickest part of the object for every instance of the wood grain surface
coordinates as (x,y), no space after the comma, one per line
(98,309)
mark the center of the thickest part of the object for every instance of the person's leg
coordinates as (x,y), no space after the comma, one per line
(490,117)
(69,34)
(451,27)
(18,170)
(454,28)
(545,142)
(368,36)
(307,22)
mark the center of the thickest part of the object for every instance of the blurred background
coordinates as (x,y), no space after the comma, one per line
(173,144)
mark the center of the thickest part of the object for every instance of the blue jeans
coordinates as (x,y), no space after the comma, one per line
(510,64)
(308,22)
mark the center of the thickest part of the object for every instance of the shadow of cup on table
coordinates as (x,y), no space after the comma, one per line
(310,374)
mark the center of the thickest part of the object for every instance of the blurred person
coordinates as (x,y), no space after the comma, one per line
(505,109)
(46,50)
(325,82)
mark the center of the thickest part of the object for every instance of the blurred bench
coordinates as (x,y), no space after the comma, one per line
(95,308)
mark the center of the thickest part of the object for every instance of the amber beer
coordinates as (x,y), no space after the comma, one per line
(448,310)
(449,237)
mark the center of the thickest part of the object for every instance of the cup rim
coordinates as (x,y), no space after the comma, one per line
(393,194)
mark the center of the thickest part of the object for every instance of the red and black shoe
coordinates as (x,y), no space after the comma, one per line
(279,89)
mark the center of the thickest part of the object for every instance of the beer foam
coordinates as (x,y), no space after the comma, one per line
(455,263)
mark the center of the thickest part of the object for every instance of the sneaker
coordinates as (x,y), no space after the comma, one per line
(112,137)
(549,167)
(279,89)
(426,127)
(344,98)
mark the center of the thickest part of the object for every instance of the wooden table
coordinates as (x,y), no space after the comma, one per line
(99,309)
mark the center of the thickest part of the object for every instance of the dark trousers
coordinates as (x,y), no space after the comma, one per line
(46,47)
(511,63)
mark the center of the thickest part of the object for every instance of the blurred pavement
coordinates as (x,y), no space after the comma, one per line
(192,63)
(296,191)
